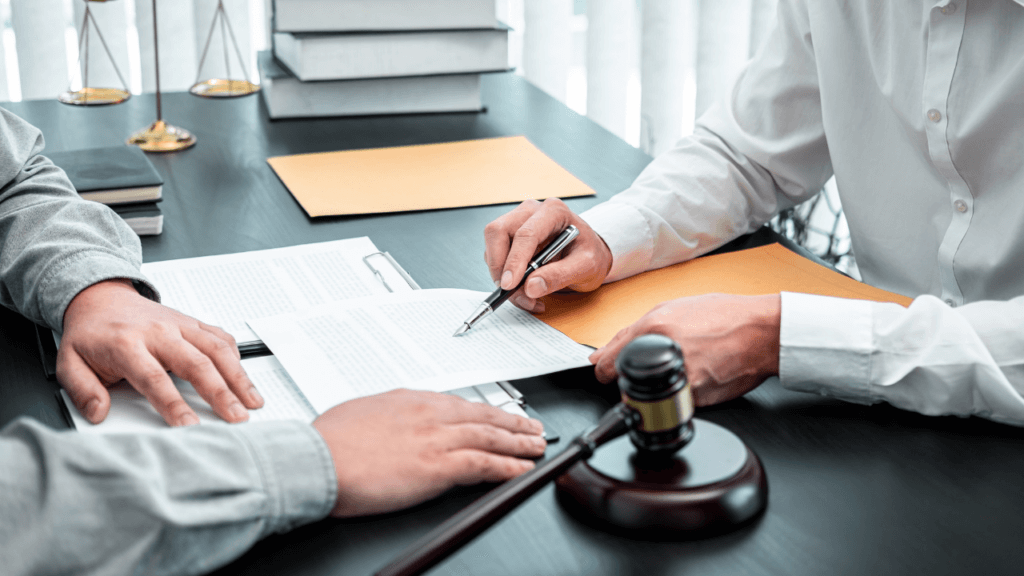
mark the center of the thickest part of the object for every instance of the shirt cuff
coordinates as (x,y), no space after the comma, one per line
(627,234)
(80,271)
(826,346)
(297,471)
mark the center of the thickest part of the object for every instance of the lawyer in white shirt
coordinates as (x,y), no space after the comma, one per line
(917,108)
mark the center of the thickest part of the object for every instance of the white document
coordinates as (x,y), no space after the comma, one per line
(344,350)
(229,289)
(131,412)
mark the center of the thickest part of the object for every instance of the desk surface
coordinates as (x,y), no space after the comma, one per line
(853,489)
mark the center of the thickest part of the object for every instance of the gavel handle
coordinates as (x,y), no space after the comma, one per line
(454,533)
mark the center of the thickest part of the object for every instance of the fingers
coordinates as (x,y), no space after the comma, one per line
(604,358)
(149,377)
(495,440)
(498,236)
(466,467)
(532,235)
(220,348)
(464,411)
(220,333)
(514,239)
(85,389)
(185,360)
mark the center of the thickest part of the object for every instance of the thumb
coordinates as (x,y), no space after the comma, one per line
(552,277)
(87,392)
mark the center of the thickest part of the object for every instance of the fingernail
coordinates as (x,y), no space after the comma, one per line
(506,280)
(539,442)
(188,420)
(536,287)
(537,427)
(255,396)
(538,307)
(238,412)
(497,284)
(92,410)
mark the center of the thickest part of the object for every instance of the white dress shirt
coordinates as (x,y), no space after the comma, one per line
(917,108)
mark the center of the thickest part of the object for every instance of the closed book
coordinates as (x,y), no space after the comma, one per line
(145,218)
(353,55)
(362,15)
(111,175)
(288,97)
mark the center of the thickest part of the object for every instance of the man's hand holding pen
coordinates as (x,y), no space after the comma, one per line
(513,239)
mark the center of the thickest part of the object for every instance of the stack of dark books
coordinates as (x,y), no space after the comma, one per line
(360,57)
(120,177)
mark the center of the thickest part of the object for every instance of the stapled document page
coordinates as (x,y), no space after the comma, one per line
(227,290)
(344,350)
(594,318)
(425,177)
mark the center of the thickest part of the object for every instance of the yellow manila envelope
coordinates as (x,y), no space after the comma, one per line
(593,318)
(424,177)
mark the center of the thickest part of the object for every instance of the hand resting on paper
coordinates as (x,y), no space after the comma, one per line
(730,343)
(513,239)
(112,333)
(400,448)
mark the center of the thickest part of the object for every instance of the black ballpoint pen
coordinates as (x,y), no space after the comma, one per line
(500,295)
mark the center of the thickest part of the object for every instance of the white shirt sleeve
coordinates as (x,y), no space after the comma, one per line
(929,358)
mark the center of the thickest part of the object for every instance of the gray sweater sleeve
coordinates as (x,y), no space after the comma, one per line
(181,501)
(53,244)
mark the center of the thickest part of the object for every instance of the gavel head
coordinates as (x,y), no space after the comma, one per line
(652,379)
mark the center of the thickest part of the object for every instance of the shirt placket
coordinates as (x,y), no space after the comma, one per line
(945,32)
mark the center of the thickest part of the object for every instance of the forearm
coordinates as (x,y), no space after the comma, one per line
(928,358)
(54,243)
(687,202)
(179,502)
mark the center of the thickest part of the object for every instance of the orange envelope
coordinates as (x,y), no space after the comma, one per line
(424,177)
(594,318)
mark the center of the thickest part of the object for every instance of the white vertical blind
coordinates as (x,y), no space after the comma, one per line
(724,46)
(611,36)
(111,18)
(5,93)
(39,27)
(178,57)
(546,44)
(667,53)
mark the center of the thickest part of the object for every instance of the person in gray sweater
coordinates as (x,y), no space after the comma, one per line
(192,498)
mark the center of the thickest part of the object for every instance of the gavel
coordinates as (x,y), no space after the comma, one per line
(676,476)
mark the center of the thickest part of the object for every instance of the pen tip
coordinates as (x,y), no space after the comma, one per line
(462,330)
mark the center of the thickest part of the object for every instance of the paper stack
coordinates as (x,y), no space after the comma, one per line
(360,57)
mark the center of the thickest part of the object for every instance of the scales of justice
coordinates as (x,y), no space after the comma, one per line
(159,136)
(648,469)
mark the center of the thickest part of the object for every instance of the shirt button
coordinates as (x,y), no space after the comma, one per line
(950,303)
(960,206)
(948,9)
(934,115)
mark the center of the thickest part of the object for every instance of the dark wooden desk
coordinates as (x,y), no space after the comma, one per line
(853,489)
